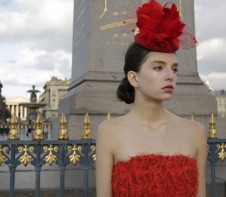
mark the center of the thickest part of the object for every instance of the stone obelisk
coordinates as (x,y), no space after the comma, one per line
(99,45)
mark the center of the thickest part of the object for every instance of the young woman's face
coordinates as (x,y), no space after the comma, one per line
(157,76)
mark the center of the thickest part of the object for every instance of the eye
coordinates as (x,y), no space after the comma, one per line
(157,68)
(175,70)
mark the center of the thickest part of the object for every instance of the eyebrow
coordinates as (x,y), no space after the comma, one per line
(162,62)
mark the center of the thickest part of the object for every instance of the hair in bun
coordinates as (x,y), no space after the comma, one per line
(135,56)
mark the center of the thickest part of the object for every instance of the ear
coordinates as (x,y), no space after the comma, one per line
(132,78)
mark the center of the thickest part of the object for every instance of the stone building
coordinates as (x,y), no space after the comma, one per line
(54,91)
(221,102)
(13,106)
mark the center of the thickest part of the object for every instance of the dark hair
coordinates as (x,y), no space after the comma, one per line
(135,56)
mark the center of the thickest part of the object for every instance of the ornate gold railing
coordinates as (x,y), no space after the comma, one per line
(216,152)
(39,152)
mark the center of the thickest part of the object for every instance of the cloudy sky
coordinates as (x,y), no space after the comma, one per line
(36,43)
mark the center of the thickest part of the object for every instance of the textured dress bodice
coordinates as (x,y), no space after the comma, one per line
(155,175)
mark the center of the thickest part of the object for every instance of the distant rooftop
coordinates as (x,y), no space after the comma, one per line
(219,92)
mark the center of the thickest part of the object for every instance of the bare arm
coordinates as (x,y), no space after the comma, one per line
(104,162)
(201,160)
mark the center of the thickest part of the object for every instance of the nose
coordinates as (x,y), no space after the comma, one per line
(169,75)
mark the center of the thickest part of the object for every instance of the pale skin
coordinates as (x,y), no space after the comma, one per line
(149,128)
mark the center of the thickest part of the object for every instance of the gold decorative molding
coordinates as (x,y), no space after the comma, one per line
(208,149)
(38,128)
(51,157)
(93,148)
(63,134)
(108,116)
(212,128)
(117,24)
(25,158)
(74,157)
(13,133)
(105,9)
(222,153)
(180,8)
(193,117)
(121,13)
(86,129)
(2,157)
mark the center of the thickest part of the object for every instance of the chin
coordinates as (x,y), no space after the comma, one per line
(167,97)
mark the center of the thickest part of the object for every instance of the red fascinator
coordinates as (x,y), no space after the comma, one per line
(161,28)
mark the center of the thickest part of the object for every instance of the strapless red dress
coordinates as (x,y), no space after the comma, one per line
(155,175)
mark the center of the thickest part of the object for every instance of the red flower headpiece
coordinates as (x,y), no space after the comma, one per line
(161,28)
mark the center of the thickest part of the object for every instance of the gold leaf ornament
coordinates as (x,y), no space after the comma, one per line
(94,157)
(25,158)
(51,157)
(2,157)
(222,153)
(74,157)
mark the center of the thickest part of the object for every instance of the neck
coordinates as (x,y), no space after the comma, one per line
(148,112)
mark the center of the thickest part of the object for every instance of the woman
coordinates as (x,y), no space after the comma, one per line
(150,151)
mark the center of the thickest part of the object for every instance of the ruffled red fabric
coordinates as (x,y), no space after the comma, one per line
(155,176)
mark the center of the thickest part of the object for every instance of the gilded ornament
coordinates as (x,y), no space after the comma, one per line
(25,158)
(63,134)
(2,157)
(86,129)
(193,117)
(212,128)
(13,133)
(105,8)
(108,116)
(38,128)
(222,153)
(74,157)
(93,149)
(180,8)
(118,24)
(208,149)
(50,158)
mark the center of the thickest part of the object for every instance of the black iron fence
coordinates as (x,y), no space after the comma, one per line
(48,152)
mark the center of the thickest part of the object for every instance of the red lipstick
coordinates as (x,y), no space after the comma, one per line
(168,89)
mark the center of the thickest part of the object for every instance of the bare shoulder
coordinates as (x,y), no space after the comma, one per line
(109,126)
(196,129)
(109,129)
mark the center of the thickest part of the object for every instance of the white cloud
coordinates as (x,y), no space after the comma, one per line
(216,80)
(211,35)
(212,49)
(210,19)
(37,20)
(37,67)
(42,32)
(41,59)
